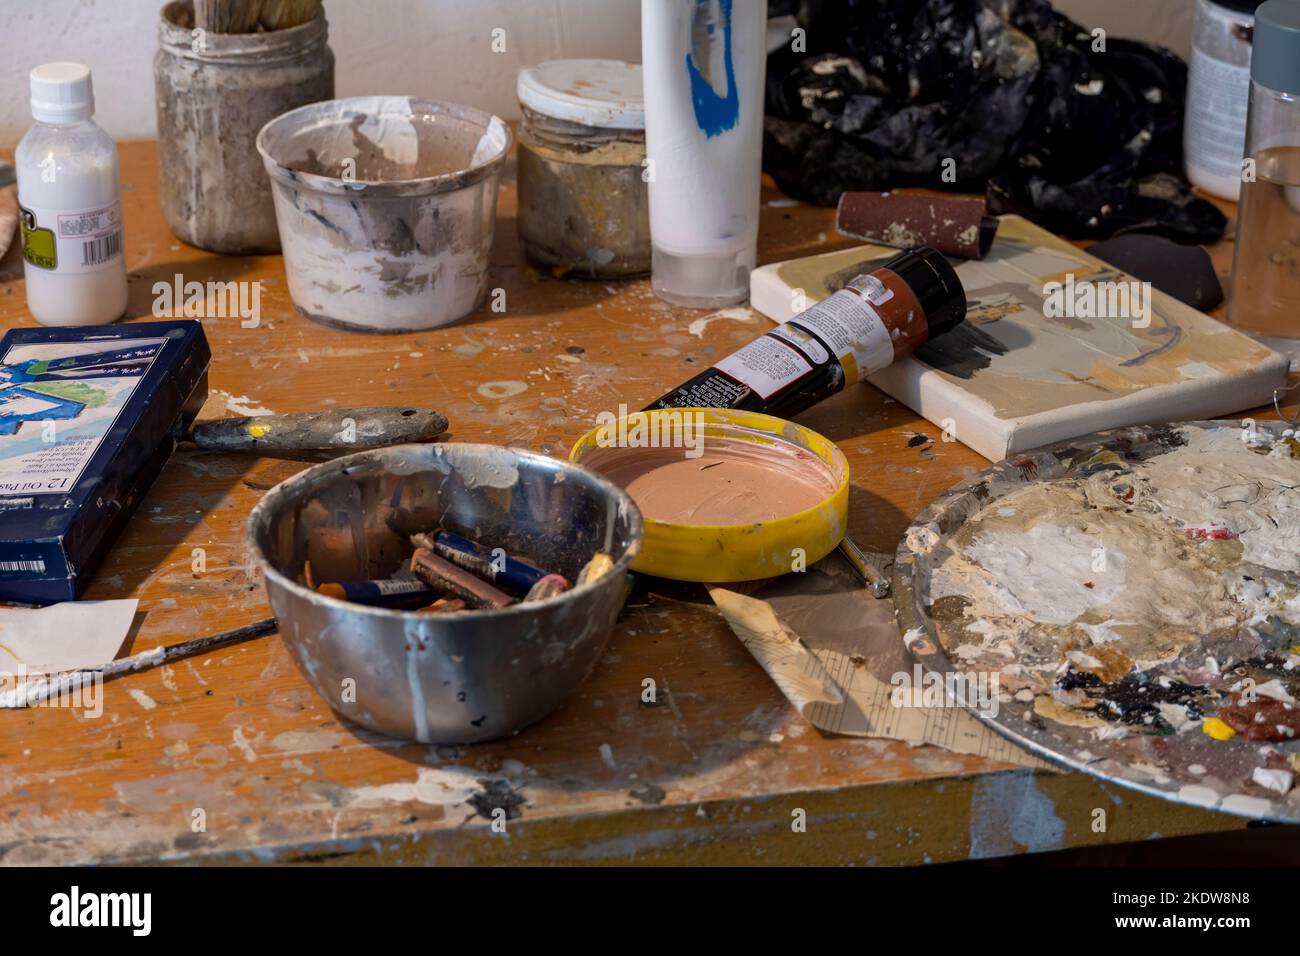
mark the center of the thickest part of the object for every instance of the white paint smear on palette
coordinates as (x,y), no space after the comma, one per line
(1047,571)
(1074,554)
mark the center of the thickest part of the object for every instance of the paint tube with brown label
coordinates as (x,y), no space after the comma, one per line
(876,319)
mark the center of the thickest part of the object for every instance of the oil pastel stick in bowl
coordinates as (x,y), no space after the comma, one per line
(441,574)
(389,592)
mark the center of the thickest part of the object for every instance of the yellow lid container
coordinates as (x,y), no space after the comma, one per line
(732,552)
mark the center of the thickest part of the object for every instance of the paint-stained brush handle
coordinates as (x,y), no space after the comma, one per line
(34,692)
(341,431)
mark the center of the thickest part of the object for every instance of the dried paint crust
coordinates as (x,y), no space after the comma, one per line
(1137,594)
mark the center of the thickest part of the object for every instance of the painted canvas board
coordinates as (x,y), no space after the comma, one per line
(1011,378)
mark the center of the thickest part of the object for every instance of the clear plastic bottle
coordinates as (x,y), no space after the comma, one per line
(70,204)
(1265,297)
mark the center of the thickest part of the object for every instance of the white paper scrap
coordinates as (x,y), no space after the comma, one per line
(75,635)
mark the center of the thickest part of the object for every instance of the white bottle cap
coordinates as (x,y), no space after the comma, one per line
(61,93)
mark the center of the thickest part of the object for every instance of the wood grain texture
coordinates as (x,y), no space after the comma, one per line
(714,771)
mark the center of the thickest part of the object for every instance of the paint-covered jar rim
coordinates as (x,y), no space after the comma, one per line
(604,94)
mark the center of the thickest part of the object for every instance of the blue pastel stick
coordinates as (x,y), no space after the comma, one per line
(503,569)
(396,592)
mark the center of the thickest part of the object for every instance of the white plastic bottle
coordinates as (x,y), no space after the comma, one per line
(1218,92)
(70,204)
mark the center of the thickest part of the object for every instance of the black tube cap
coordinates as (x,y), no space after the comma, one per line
(935,283)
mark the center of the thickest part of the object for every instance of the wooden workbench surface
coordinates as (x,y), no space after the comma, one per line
(714,773)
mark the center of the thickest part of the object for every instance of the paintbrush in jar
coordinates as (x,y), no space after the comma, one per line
(252,16)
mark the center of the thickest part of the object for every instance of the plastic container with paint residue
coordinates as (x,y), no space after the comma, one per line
(386,207)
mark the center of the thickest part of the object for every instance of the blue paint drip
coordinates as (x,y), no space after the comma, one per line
(715,114)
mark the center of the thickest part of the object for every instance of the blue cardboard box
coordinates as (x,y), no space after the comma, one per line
(88,417)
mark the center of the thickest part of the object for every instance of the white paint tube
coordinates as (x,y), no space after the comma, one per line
(703,70)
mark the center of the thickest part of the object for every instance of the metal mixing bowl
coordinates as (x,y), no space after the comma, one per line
(446,678)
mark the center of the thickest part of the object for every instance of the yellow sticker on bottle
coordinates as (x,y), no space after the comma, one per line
(39,247)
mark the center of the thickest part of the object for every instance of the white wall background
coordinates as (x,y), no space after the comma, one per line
(438,48)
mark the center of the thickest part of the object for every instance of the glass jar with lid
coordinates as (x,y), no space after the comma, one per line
(583,207)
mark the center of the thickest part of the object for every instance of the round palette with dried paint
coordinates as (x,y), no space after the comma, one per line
(1126,604)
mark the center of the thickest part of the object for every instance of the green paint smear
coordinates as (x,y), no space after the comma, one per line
(88,395)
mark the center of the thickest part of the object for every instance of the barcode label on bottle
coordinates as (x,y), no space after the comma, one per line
(23,567)
(98,251)
(71,241)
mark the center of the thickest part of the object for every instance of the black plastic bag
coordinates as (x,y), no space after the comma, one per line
(1006,96)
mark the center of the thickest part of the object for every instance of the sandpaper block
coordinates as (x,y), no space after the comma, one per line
(958,226)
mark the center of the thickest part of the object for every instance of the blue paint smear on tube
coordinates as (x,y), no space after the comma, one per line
(714,114)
